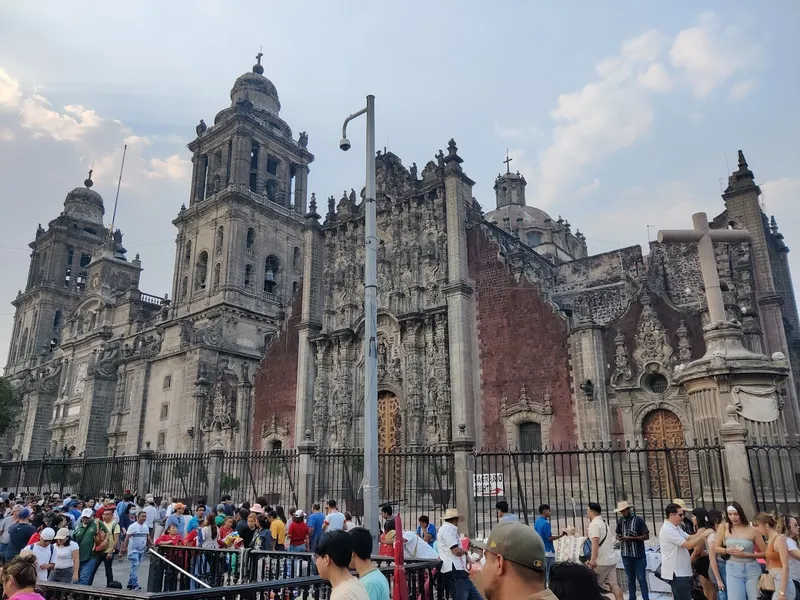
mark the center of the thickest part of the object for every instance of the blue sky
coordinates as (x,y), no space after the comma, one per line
(620,115)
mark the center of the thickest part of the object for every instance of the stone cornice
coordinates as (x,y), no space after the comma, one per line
(459,288)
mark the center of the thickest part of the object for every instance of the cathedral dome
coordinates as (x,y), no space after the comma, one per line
(532,217)
(85,204)
(256,88)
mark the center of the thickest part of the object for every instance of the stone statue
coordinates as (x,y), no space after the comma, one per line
(303,141)
(117,235)
(201,128)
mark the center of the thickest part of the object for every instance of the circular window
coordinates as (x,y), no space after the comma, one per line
(656,383)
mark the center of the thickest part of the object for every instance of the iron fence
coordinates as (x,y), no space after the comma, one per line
(272,474)
(180,477)
(413,481)
(647,475)
(775,476)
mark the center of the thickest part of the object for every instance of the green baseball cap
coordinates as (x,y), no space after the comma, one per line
(518,543)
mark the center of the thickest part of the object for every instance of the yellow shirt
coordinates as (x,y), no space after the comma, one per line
(278,531)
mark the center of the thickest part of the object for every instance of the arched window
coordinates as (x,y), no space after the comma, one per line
(295,287)
(187,256)
(296,258)
(184,288)
(248,276)
(57,320)
(251,238)
(272,267)
(217,271)
(534,238)
(276,445)
(254,166)
(201,271)
(23,345)
(530,437)
(220,238)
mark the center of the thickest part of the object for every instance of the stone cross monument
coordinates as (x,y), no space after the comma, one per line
(733,393)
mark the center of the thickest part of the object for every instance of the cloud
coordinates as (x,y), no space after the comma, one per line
(172,167)
(6,134)
(741,89)
(71,125)
(10,93)
(656,78)
(709,53)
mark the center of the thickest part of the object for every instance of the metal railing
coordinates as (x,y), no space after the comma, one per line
(181,477)
(272,474)
(647,475)
(775,476)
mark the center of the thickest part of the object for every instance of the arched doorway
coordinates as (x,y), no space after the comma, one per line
(390,439)
(667,460)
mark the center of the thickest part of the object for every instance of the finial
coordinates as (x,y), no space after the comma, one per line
(257,68)
(88,181)
(508,161)
(313,203)
(742,161)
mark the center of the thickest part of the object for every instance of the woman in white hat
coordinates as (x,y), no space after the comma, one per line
(65,557)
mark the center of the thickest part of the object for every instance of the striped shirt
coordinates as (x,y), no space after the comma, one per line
(630,526)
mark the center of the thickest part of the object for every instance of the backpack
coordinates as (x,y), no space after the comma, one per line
(30,548)
(586,550)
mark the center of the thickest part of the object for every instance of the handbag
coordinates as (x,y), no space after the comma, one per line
(766,582)
(586,551)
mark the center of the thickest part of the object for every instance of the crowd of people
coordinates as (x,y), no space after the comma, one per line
(67,540)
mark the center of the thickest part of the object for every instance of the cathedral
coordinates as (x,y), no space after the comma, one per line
(498,328)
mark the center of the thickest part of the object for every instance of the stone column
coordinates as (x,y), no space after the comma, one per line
(261,174)
(300,189)
(734,438)
(214,472)
(464,471)
(224,166)
(244,416)
(200,180)
(195,178)
(145,462)
(307,449)
(240,161)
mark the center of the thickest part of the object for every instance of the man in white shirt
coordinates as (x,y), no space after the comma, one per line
(603,559)
(455,561)
(44,550)
(334,520)
(675,543)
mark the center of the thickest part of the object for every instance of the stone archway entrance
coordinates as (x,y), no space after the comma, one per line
(667,460)
(390,439)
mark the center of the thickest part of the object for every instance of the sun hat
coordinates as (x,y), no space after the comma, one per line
(256,508)
(623,505)
(451,513)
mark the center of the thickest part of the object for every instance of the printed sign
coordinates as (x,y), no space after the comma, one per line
(489,484)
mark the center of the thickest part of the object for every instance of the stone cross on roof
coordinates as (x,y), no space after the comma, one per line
(705,238)
(507,161)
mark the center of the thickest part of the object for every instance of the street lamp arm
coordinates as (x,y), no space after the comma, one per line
(350,118)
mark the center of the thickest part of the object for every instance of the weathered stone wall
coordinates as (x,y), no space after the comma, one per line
(523,340)
(276,380)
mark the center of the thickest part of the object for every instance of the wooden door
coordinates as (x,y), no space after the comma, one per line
(390,438)
(667,460)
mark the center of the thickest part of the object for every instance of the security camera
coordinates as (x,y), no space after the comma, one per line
(344,144)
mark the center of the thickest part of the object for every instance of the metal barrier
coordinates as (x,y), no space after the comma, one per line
(775,476)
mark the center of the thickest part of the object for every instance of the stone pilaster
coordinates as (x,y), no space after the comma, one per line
(589,376)
(300,189)
(307,449)
(216,454)
(240,160)
(261,174)
(734,438)
(145,460)
(95,413)
(310,324)
(464,472)
(461,321)
(244,416)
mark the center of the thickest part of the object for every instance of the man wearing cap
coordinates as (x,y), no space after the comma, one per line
(44,550)
(515,564)
(19,533)
(84,534)
(632,533)
(455,567)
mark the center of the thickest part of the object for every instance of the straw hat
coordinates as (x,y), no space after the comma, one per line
(623,505)
(451,513)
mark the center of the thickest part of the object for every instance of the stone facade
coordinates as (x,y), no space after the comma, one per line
(104,368)
(497,329)
(501,329)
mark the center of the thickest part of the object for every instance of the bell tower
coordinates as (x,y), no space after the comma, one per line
(240,239)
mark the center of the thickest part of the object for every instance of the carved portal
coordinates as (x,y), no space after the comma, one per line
(651,338)
(669,470)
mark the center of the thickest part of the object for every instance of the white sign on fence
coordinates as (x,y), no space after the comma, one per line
(489,484)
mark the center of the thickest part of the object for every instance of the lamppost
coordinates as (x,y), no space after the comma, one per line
(370,326)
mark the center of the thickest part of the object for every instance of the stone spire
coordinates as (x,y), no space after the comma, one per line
(741,179)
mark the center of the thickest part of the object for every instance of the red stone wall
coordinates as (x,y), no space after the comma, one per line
(521,340)
(276,378)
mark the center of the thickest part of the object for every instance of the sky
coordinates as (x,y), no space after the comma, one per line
(621,115)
